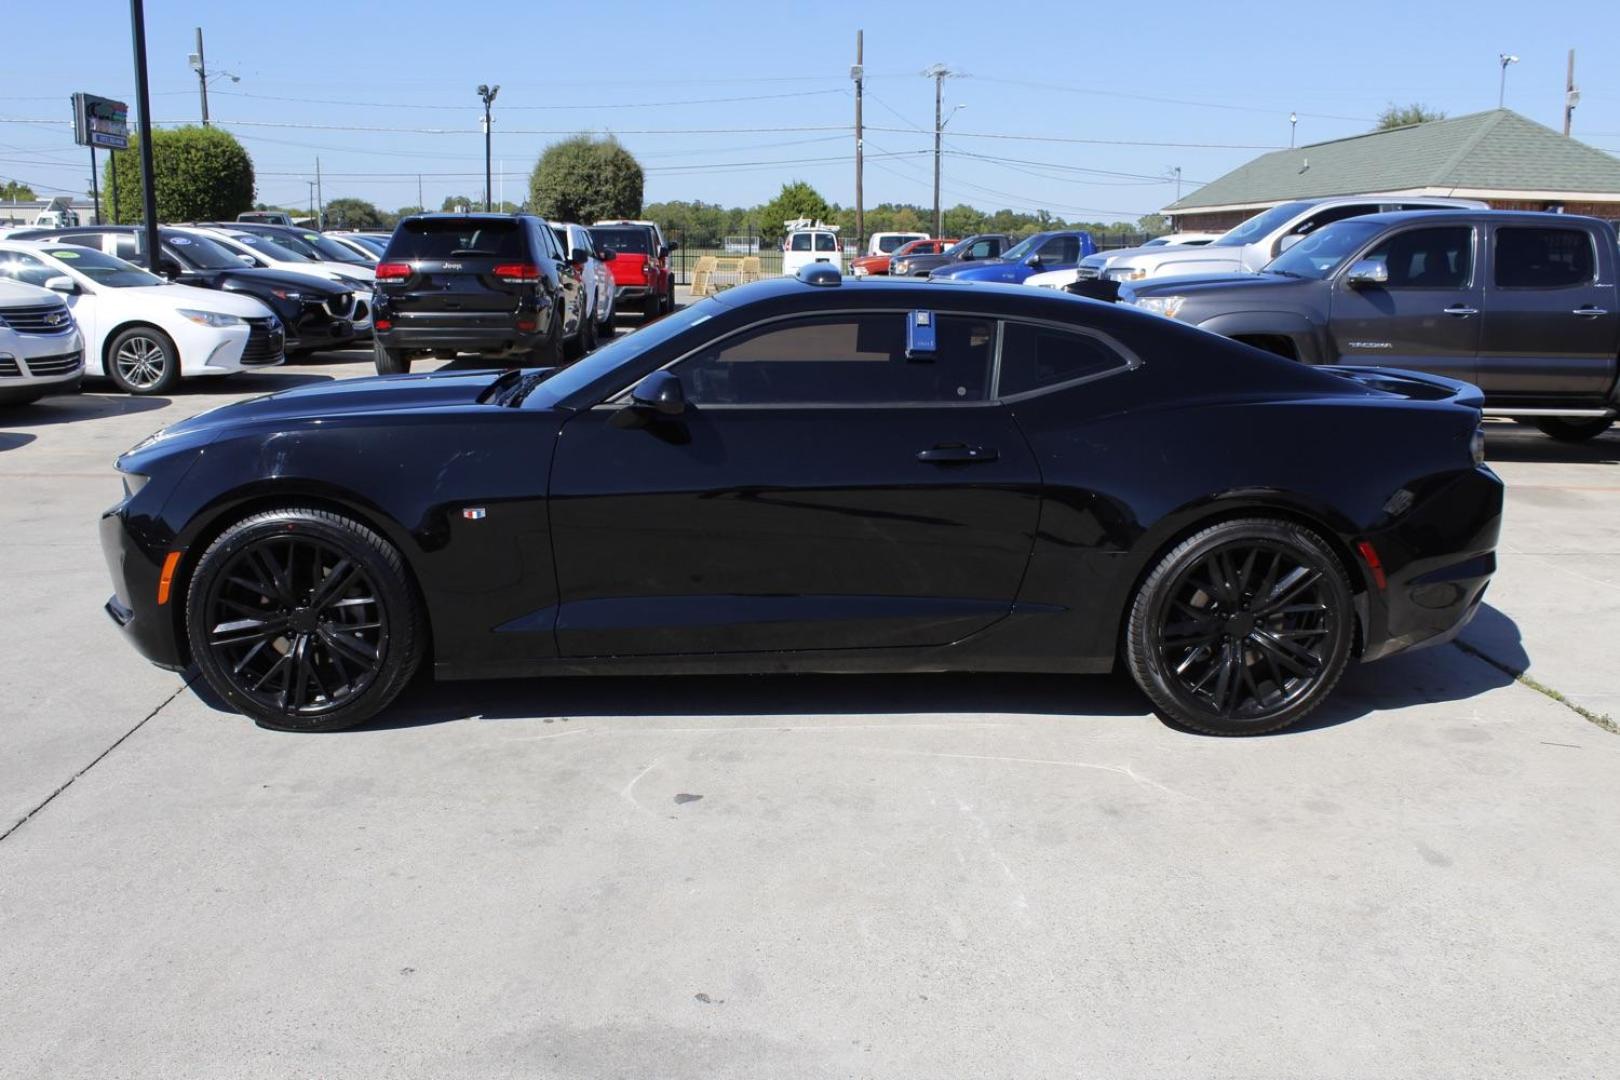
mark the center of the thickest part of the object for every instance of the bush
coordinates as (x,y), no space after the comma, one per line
(202,174)
(584,179)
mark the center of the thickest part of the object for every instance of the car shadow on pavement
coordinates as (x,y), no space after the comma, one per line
(69,408)
(1445,673)
(250,382)
(10,440)
(1519,443)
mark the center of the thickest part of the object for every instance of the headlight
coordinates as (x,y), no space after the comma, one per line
(1129,273)
(902,267)
(210,318)
(1168,306)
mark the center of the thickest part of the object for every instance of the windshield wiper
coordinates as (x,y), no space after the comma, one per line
(1285,273)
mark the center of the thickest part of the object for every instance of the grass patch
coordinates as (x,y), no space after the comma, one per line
(1602,720)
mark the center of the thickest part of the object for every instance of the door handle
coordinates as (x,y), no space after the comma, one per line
(1460,312)
(957,454)
(1589,312)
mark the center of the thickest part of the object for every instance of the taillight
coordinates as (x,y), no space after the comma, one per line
(649,267)
(517,272)
(387,271)
(1476,446)
(383,324)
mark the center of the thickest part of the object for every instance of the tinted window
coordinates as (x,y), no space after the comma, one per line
(799,242)
(270,249)
(826,242)
(1060,250)
(630,240)
(1318,254)
(1033,357)
(982,249)
(103,269)
(843,360)
(450,238)
(1329,216)
(1543,258)
(202,252)
(1427,258)
(561,235)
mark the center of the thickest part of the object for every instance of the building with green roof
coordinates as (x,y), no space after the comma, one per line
(1498,156)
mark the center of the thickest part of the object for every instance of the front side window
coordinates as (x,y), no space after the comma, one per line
(1060,251)
(982,249)
(842,360)
(1528,258)
(1441,258)
(1036,357)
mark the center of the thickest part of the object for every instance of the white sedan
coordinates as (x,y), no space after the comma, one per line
(140,331)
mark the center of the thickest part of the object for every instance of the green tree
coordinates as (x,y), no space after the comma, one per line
(1395,116)
(349,213)
(406,211)
(17,191)
(202,174)
(797,199)
(585,179)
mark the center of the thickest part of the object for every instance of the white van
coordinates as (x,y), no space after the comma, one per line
(887,243)
(810,243)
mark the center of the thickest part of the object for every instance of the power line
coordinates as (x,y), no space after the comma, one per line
(532,108)
(1166,100)
(1089,142)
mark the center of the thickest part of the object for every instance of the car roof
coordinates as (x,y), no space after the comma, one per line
(904,292)
(1466,214)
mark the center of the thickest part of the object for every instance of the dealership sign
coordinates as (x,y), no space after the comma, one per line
(99,121)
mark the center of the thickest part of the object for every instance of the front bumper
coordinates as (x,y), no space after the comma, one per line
(151,628)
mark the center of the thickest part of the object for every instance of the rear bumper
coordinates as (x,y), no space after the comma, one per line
(492,341)
(1439,558)
(622,293)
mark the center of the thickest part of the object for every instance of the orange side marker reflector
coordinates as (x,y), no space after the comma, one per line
(1370,555)
(170,562)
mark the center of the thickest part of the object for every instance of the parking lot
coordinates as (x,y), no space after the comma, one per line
(922,876)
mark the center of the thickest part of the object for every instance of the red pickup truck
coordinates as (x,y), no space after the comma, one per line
(638,256)
(867,265)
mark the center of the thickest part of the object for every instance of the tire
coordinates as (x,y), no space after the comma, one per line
(1204,648)
(390,361)
(308,662)
(551,354)
(294,355)
(669,297)
(1573,429)
(651,308)
(605,328)
(143,360)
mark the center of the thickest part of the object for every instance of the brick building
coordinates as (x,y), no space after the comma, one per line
(1499,156)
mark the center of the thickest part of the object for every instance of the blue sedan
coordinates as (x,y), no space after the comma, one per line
(1037,254)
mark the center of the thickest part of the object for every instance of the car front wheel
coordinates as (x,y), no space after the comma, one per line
(1573,430)
(143,360)
(1243,628)
(304,620)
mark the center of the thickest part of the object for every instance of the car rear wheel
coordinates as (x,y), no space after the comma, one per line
(1574,430)
(391,361)
(1243,628)
(304,620)
(587,334)
(143,360)
(651,308)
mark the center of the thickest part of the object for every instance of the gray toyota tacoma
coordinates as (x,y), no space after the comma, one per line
(1524,305)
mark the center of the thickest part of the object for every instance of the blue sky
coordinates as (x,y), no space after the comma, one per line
(1211,86)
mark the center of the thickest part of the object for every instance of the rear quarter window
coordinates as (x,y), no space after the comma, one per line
(1035,357)
(1530,258)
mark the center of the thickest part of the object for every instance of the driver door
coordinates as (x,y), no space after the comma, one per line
(1426,317)
(821,490)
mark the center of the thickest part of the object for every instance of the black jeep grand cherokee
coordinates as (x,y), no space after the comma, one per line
(493,284)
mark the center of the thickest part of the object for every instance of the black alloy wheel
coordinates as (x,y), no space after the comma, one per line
(1243,628)
(304,620)
(1573,429)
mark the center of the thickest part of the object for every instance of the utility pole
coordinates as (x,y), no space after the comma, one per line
(858,73)
(201,64)
(1501,87)
(419,203)
(143,106)
(939,73)
(1175,170)
(1572,96)
(487,94)
(320,200)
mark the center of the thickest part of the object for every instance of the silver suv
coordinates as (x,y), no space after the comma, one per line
(1249,246)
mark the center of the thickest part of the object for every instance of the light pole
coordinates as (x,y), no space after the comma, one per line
(200,66)
(1293,123)
(143,107)
(1501,86)
(487,94)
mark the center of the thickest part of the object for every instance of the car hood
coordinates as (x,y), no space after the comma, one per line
(1193,285)
(308,284)
(982,270)
(192,298)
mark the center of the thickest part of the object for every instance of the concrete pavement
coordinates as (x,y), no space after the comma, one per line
(806,877)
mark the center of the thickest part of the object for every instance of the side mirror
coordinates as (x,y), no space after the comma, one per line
(605,255)
(579,256)
(671,247)
(1367,273)
(1033,260)
(246,260)
(661,393)
(664,250)
(61,283)
(1289,241)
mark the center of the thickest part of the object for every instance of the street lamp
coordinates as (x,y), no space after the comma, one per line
(200,66)
(487,94)
(1501,88)
(1293,124)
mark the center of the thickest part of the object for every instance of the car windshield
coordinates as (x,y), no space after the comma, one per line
(1259,225)
(103,269)
(270,249)
(1023,247)
(626,240)
(199,251)
(623,350)
(1322,251)
(914,247)
(330,250)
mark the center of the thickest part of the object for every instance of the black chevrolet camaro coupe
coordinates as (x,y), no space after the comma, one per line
(819,475)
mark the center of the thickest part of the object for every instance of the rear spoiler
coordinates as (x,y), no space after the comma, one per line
(1419,386)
